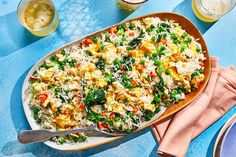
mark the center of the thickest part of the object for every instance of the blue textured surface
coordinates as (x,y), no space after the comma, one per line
(19,50)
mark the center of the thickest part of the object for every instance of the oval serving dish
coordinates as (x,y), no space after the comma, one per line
(94,141)
(228,142)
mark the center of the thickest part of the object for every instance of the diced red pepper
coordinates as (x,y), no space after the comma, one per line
(103,114)
(140,68)
(122,68)
(42,98)
(201,63)
(196,84)
(33,78)
(135,109)
(103,125)
(84,45)
(133,82)
(112,115)
(175,69)
(153,75)
(163,41)
(88,41)
(163,97)
(81,106)
(100,126)
(131,33)
(113,30)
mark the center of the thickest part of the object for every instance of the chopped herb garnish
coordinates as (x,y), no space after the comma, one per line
(198,49)
(167,104)
(95,40)
(95,96)
(148,115)
(142,62)
(101,64)
(128,131)
(123,38)
(107,37)
(136,41)
(36,115)
(103,47)
(157,63)
(109,78)
(129,48)
(158,109)
(201,71)
(44,66)
(63,52)
(153,38)
(62,141)
(131,26)
(150,28)
(194,74)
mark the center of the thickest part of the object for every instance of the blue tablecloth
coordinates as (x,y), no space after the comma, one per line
(19,50)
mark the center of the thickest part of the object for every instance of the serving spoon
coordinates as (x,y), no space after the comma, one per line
(33,136)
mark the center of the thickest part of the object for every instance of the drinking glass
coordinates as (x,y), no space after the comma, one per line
(131,5)
(38,16)
(212,10)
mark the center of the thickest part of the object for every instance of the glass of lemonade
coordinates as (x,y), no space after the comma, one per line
(212,10)
(38,16)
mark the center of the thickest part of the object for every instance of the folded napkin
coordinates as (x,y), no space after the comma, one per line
(175,133)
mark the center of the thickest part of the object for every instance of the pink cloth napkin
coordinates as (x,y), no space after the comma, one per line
(175,133)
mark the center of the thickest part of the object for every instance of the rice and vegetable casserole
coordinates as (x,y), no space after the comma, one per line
(117,79)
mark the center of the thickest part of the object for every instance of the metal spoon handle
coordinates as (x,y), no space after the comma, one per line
(65,132)
(32,136)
